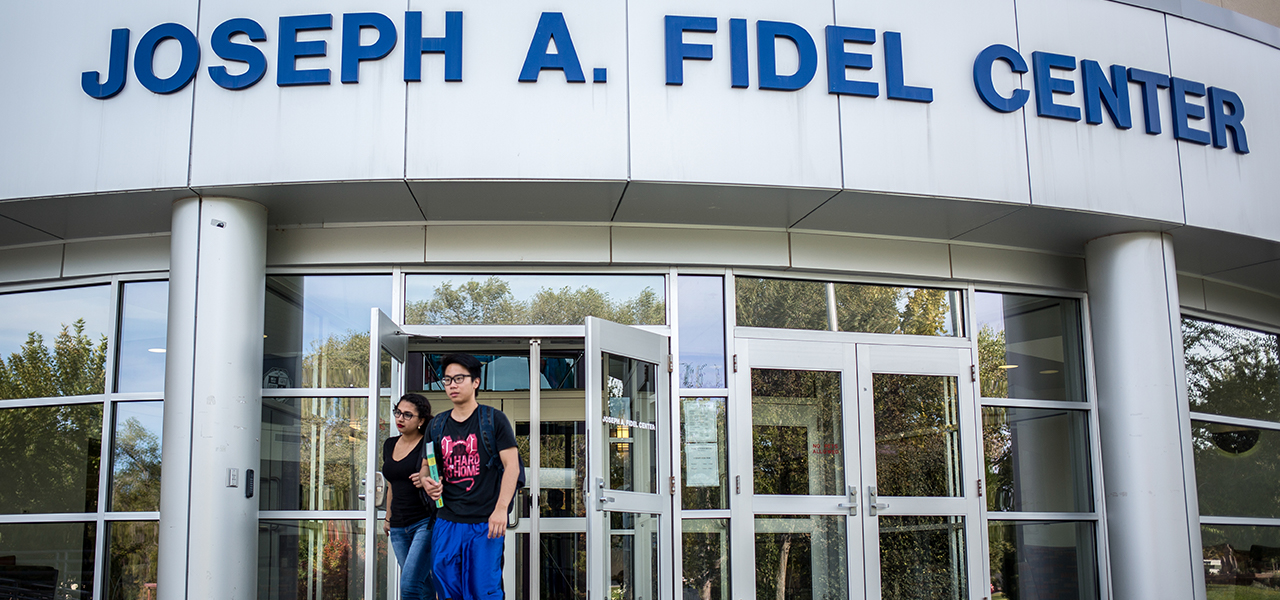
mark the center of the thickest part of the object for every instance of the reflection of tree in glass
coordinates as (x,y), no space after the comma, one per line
(339,361)
(135,480)
(704,562)
(74,368)
(803,454)
(807,563)
(998,448)
(922,557)
(991,357)
(491,302)
(1231,370)
(782,303)
(332,472)
(135,548)
(915,421)
(50,458)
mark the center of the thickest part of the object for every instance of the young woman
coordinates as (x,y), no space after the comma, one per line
(408,518)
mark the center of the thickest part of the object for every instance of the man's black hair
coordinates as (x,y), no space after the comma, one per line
(422,404)
(466,361)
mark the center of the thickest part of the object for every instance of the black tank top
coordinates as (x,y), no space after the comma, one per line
(406,502)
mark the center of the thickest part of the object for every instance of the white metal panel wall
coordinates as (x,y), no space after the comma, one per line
(706,131)
(491,125)
(267,133)
(54,138)
(1225,190)
(1100,167)
(954,146)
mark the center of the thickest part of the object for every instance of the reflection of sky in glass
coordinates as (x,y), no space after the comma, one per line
(333,305)
(701,329)
(523,287)
(143,322)
(988,309)
(47,311)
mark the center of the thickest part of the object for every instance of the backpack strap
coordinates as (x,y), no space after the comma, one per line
(436,426)
(487,434)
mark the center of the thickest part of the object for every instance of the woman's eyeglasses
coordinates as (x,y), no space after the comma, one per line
(400,414)
(458,379)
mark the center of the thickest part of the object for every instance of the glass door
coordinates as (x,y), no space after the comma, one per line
(628,466)
(799,524)
(388,347)
(920,473)
(861,476)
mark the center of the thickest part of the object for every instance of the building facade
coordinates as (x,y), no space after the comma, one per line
(834,299)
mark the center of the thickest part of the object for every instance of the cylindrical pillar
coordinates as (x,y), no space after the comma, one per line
(1152,515)
(213,401)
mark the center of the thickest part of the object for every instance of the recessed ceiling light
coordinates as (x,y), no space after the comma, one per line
(1007,366)
(156,350)
(1048,371)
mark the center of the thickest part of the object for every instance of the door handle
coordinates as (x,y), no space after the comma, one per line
(873,506)
(852,504)
(602,499)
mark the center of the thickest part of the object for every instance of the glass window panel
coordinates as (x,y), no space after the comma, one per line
(135,456)
(704,453)
(1241,562)
(47,560)
(1237,470)
(131,572)
(49,456)
(534,299)
(917,435)
(633,555)
(1232,370)
(1042,560)
(701,331)
(801,557)
(317,329)
(923,557)
(1037,460)
(564,466)
(502,371)
(54,342)
(321,560)
(382,543)
(1029,347)
(706,559)
(631,417)
(797,432)
(313,453)
(781,303)
(144,319)
(563,575)
(903,310)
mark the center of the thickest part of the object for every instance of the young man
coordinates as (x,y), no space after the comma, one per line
(467,542)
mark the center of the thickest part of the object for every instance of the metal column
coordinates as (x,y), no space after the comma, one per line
(213,401)
(1152,512)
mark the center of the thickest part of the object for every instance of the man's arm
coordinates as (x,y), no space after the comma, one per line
(511,473)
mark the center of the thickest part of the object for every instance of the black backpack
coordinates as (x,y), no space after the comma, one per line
(487,433)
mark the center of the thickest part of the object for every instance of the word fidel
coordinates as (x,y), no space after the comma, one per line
(1225,108)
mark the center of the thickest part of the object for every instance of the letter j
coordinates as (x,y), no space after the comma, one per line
(117,72)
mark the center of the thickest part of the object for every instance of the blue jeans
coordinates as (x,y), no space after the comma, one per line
(412,545)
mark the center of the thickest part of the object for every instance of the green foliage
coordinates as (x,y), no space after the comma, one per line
(339,361)
(491,302)
(991,357)
(783,303)
(795,304)
(917,437)
(75,367)
(50,456)
(135,549)
(1232,371)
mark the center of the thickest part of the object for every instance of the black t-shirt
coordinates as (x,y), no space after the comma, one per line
(406,502)
(471,489)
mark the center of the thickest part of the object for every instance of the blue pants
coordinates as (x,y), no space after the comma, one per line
(468,565)
(412,545)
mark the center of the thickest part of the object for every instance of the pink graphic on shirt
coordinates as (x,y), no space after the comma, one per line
(461,460)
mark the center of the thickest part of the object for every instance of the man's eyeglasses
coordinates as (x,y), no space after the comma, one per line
(400,414)
(458,379)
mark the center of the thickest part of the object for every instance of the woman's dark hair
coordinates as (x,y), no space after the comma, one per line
(422,404)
